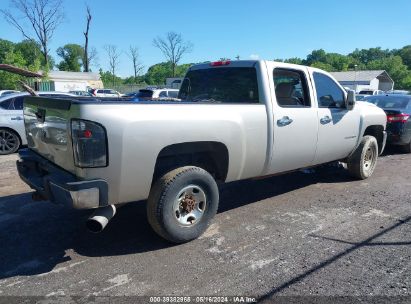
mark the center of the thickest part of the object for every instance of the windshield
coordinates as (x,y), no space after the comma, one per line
(145,94)
(221,85)
(366,92)
(389,102)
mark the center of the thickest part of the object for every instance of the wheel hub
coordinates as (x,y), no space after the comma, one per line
(188,203)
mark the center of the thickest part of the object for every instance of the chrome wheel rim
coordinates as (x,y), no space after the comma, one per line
(190,205)
(369,159)
(8,142)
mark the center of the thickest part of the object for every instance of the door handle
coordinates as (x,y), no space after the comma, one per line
(17,118)
(325,120)
(285,121)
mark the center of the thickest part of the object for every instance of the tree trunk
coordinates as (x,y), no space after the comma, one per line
(174,69)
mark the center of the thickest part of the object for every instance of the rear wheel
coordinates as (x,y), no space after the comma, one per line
(362,162)
(9,141)
(182,203)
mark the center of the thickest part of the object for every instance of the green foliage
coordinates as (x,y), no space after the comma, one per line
(397,63)
(158,73)
(72,55)
(110,80)
(22,55)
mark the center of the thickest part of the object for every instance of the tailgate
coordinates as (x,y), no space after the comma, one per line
(47,123)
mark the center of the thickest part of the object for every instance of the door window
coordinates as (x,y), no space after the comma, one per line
(329,94)
(163,94)
(18,103)
(291,88)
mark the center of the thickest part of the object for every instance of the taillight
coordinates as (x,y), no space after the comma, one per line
(220,63)
(89,144)
(398,118)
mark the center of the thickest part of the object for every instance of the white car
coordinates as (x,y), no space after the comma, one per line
(7,92)
(105,93)
(12,132)
(153,93)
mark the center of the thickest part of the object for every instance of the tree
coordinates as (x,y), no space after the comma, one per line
(31,51)
(114,59)
(157,74)
(395,68)
(86,57)
(173,48)
(365,56)
(44,17)
(109,79)
(72,55)
(134,56)
(405,54)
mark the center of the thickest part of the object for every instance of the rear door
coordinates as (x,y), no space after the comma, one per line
(295,118)
(338,128)
(12,115)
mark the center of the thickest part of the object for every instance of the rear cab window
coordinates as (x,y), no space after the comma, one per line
(235,85)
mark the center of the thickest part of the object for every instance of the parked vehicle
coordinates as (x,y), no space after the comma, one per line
(148,94)
(371,92)
(105,93)
(235,120)
(7,92)
(400,92)
(81,93)
(12,133)
(398,110)
(360,97)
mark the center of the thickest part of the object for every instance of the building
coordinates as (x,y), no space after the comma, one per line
(360,80)
(69,81)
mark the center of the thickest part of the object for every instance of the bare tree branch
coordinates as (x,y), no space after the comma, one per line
(114,58)
(173,48)
(135,58)
(86,59)
(44,16)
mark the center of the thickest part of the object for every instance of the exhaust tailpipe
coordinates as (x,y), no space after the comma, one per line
(100,218)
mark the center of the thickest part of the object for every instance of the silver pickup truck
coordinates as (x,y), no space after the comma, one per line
(231,121)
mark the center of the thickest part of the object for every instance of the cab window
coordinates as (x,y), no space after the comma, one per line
(291,88)
(329,94)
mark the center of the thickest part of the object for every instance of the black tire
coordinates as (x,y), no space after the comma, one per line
(359,163)
(164,196)
(9,141)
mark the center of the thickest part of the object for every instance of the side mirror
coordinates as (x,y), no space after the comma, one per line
(350,101)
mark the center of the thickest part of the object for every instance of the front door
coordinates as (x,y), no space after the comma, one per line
(338,128)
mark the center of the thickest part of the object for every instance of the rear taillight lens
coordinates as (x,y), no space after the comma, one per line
(89,144)
(398,118)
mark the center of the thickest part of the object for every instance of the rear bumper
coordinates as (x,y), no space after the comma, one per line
(384,141)
(398,134)
(58,185)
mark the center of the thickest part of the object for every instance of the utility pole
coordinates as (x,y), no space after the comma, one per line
(355,77)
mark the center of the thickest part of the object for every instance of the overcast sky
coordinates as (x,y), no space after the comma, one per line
(265,29)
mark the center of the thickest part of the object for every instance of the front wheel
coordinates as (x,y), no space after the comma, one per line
(182,203)
(362,162)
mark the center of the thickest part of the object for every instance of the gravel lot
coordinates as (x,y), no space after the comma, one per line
(298,234)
